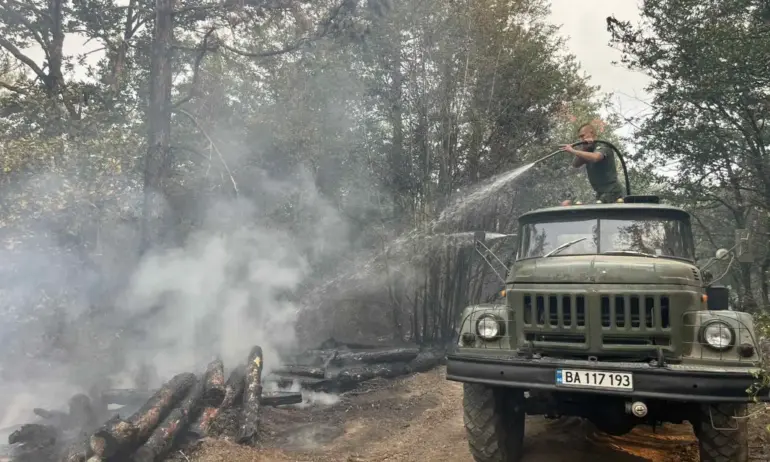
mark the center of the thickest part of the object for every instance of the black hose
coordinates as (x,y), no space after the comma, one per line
(622,163)
(612,146)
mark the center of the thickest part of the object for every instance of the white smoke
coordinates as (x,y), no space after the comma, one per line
(231,285)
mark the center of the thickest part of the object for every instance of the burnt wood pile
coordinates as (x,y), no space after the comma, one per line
(190,407)
(342,368)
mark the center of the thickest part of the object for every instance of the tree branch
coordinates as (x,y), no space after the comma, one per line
(196,69)
(13,88)
(41,40)
(23,58)
(322,31)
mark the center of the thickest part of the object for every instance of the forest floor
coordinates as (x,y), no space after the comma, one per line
(419,418)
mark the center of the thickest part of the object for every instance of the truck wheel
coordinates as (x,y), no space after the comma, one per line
(722,438)
(494,423)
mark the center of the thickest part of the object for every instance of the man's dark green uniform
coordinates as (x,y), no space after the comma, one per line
(603,176)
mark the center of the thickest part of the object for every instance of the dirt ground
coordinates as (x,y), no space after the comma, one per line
(419,418)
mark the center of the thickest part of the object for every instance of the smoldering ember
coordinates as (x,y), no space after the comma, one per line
(151,423)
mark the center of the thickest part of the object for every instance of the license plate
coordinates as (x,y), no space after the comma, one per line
(579,378)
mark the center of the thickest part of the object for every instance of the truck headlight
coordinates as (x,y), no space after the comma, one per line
(489,327)
(717,335)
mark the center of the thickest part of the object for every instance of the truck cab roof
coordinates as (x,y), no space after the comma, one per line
(593,210)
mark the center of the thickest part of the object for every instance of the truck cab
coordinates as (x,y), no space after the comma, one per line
(606,316)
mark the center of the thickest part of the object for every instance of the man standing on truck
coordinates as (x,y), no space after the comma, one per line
(600,165)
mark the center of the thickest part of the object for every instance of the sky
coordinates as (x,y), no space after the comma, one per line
(583,24)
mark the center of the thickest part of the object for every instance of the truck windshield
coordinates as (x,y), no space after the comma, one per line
(655,237)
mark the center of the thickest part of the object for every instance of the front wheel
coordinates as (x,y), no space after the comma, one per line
(494,423)
(721,437)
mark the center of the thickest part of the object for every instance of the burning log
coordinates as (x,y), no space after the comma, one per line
(161,402)
(395,355)
(303,371)
(119,435)
(251,397)
(159,444)
(233,391)
(214,384)
(236,382)
(112,437)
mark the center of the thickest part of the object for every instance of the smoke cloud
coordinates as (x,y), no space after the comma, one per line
(232,284)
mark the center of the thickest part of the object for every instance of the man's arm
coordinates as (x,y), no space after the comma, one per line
(585,157)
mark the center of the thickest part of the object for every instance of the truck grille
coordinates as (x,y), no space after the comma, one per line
(603,322)
(555,310)
(635,311)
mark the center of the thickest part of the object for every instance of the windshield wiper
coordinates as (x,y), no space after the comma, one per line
(564,246)
(629,252)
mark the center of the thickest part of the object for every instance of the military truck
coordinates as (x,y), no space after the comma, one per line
(606,316)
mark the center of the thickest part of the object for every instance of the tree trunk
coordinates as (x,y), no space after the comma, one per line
(158,127)
(251,397)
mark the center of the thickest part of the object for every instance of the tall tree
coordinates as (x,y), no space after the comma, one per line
(709,68)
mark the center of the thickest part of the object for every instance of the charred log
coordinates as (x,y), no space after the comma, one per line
(396,355)
(160,404)
(315,358)
(303,371)
(236,382)
(36,435)
(214,384)
(201,427)
(307,383)
(159,444)
(112,437)
(205,423)
(353,375)
(251,397)
(79,450)
(425,361)
(34,443)
(119,435)
(280,398)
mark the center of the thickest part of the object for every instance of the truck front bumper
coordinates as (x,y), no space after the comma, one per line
(671,382)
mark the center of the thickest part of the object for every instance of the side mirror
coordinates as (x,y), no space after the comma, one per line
(722,254)
(718,298)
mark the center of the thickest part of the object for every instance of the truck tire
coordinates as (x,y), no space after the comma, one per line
(494,423)
(729,441)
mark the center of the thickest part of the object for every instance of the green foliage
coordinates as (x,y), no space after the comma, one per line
(708,120)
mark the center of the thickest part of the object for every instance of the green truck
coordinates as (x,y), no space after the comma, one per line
(606,316)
